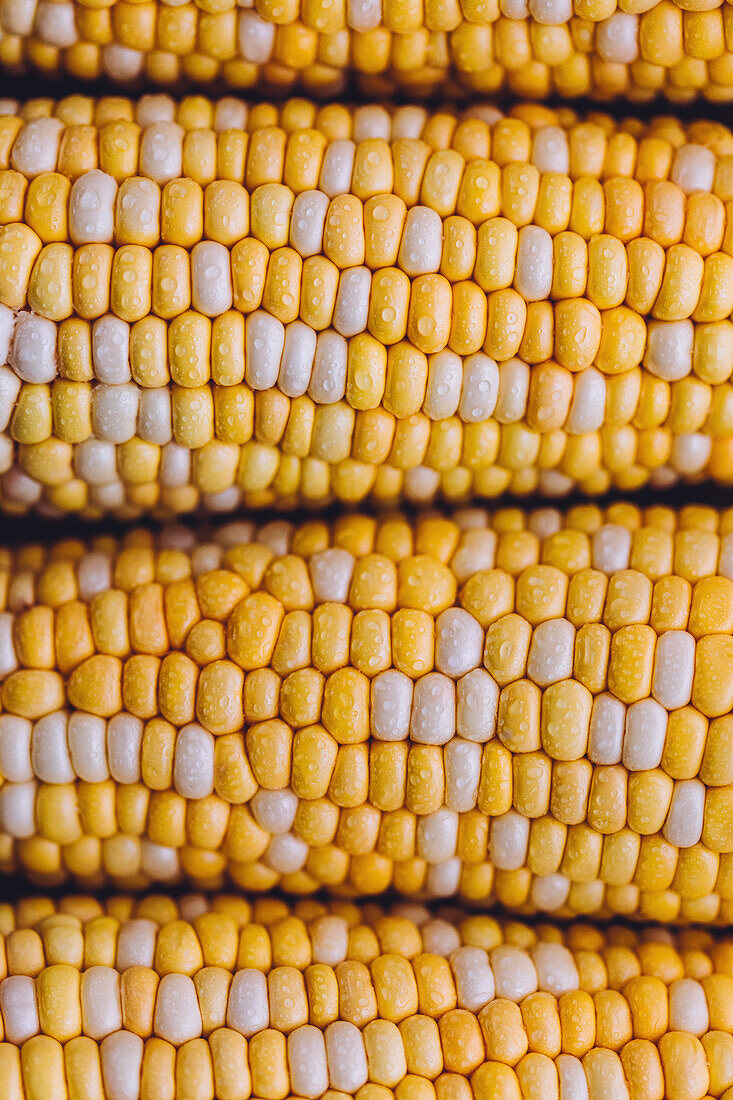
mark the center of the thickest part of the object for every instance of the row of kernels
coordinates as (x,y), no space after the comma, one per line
(566,725)
(461,775)
(606,52)
(624,874)
(198,1066)
(370,152)
(552,60)
(274,383)
(510,793)
(600,144)
(217,437)
(672,585)
(185,934)
(139,213)
(56,29)
(609,539)
(596,11)
(634,663)
(356,561)
(389,464)
(380,232)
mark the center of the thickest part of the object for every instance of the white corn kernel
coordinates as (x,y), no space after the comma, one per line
(646,729)
(511,401)
(617,38)
(475,985)
(445,379)
(363,15)
(684,823)
(111,350)
(674,669)
(92,208)
(508,840)
(611,547)
(100,1001)
(669,349)
(514,972)
(274,811)
(33,351)
(307,1062)
(19,1008)
(688,1007)
(307,221)
(18,810)
(193,762)
(433,720)
(50,750)
(477,705)
(550,152)
(606,732)
(256,37)
(122,64)
(114,411)
(462,774)
(136,944)
(588,407)
(330,940)
(87,735)
(94,574)
(331,572)
(337,167)
(124,743)
(161,152)
(437,835)
(155,416)
(121,1055)
(551,652)
(36,148)
(347,1064)
(265,338)
(154,108)
(286,854)
(15,749)
(177,1015)
(248,1008)
(480,388)
(391,705)
(459,642)
(533,274)
(422,242)
(556,970)
(352,301)
(211,278)
(693,168)
(328,380)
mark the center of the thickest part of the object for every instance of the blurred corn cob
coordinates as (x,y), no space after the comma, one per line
(532,48)
(533,709)
(136,1000)
(219,305)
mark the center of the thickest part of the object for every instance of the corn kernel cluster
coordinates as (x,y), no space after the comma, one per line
(532,48)
(528,708)
(214,997)
(210,304)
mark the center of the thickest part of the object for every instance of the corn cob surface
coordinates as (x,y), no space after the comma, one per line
(533,48)
(141,999)
(205,304)
(526,708)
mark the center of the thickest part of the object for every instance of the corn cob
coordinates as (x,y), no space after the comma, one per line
(141,999)
(529,709)
(219,305)
(532,48)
